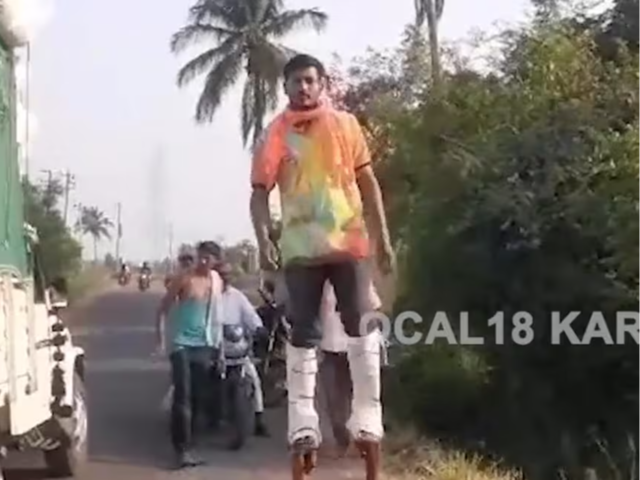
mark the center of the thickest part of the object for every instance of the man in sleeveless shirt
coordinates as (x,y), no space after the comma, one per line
(195,336)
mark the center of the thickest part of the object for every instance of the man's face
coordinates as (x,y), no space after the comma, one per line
(303,87)
(186,263)
(206,261)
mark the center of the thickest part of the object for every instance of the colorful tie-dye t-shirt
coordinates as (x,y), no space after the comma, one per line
(313,157)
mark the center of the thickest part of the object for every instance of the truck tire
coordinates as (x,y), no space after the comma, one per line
(69,458)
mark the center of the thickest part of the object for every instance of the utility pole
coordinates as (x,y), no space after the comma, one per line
(171,241)
(69,183)
(49,173)
(157,204)
(118,229)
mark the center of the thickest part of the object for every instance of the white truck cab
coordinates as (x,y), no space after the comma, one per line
(42,400)
(42,397)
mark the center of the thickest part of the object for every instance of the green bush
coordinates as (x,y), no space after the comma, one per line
(446,385)
(524,197)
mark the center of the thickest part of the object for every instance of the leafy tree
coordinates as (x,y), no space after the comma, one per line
(93,222)
(379,89)
(110,261)
(244,36)
(59,252)
(241,256)
(520,193)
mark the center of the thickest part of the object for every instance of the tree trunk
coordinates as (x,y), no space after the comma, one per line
(434,46)
(95,249)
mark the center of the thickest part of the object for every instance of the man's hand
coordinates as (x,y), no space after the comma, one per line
(268,256)
(386,257)
(161,349)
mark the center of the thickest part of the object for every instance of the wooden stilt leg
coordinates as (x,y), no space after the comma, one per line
(310,461)
(371,454)
(297,467)
(304,458)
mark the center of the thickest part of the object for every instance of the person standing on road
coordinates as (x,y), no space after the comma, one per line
(320,160)
(195,336)
(334,376)
(237,310)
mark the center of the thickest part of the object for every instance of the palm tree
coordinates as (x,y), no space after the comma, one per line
(94,222)
(243,36)
(431,11)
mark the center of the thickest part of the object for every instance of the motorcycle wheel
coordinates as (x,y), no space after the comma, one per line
(239,389)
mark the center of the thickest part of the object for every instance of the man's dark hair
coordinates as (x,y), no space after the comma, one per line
(302,61)
(210,247)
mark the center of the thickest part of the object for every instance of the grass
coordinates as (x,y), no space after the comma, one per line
(409,457)
(88,282)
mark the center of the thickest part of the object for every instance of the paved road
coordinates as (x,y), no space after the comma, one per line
(128,431)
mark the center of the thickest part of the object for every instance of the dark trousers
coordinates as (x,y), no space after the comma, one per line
(305,285)
(190,372)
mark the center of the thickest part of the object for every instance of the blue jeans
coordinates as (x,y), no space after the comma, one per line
(191,376)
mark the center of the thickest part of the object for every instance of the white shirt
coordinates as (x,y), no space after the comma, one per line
(237,309)
(334,338)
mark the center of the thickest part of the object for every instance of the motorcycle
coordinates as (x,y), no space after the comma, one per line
(124,278)
(238,389)
(144,282)
(270,351)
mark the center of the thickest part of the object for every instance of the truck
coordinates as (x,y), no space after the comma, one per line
(42,395)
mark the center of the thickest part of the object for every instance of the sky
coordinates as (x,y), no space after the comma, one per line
(102,89)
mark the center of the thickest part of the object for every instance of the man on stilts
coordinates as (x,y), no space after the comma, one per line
(319,158)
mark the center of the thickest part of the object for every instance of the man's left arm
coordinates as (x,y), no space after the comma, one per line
(368,184)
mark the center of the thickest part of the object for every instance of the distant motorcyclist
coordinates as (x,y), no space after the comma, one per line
(145,269)
(125,273)
(144,280)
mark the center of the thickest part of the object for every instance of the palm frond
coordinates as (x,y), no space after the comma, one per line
(103,232)
(195,33)
(203,62)
(259,97)
(218,81)
(288,21)
(287,52)
(247,111)
(267,60)
(226,13)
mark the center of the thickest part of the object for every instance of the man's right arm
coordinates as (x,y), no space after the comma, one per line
(264,171)
(166,303)
(260,215)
